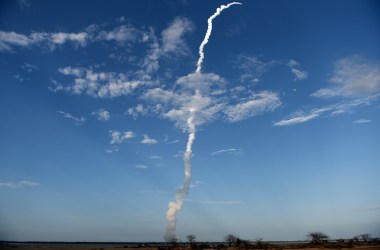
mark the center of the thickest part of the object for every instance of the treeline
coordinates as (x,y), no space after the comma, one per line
(311,239)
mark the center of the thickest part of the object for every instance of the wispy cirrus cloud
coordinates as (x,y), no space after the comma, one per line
(77,120)
(353,76)
(29,67)
(302,116)
(20,184)
(362,121)
(253,67)
(140,166)
(155,157)
(123,34)
(296,70)
(23,4)
(9,40)
(356,84)
(258,103)
(172,36)
(343,107)
(231,151)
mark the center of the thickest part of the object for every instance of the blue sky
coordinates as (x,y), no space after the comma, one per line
(96,97)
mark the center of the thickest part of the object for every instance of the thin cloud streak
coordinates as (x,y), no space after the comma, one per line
(234,151)
(333,110)
(362,121)
(77,120)
(20,184)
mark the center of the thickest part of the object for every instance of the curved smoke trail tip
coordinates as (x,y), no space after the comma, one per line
(208,33)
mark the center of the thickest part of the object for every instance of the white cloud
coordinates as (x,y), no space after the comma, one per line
(71,71)
(99,84)
(119,137)
(121,34)
(29,67)
(155,157)
(253,68)
(295,68)
(172,37)
(302,116)
(299,74)
(18,78)
(203,108)
(206,98)
(172,42)
(139,166)
(293,63)
(257,103)
(296,120)
(206,83)
(148,140)
(150,64)
(19,184)
(172,142)
(102,114)
(23,4)
(233,151)
(158,95)
(332,110)
(62,37)
(137,111)
(9,39)
(112,149)
(77,120)
(361,121)
(349,106)
(353,76)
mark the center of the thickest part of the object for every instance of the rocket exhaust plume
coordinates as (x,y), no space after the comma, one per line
(208,34)
(175,206)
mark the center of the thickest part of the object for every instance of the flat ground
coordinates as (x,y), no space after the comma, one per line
(119,247)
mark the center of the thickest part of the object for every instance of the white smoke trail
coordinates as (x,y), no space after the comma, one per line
(208,34)
(175,206)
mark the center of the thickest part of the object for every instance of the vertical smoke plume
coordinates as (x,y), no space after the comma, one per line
(175,206)
(208,34)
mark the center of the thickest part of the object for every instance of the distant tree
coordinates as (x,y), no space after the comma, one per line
(230,239)
(317,237)
(191,238)
(259,241)
(365,237)
(356,238)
